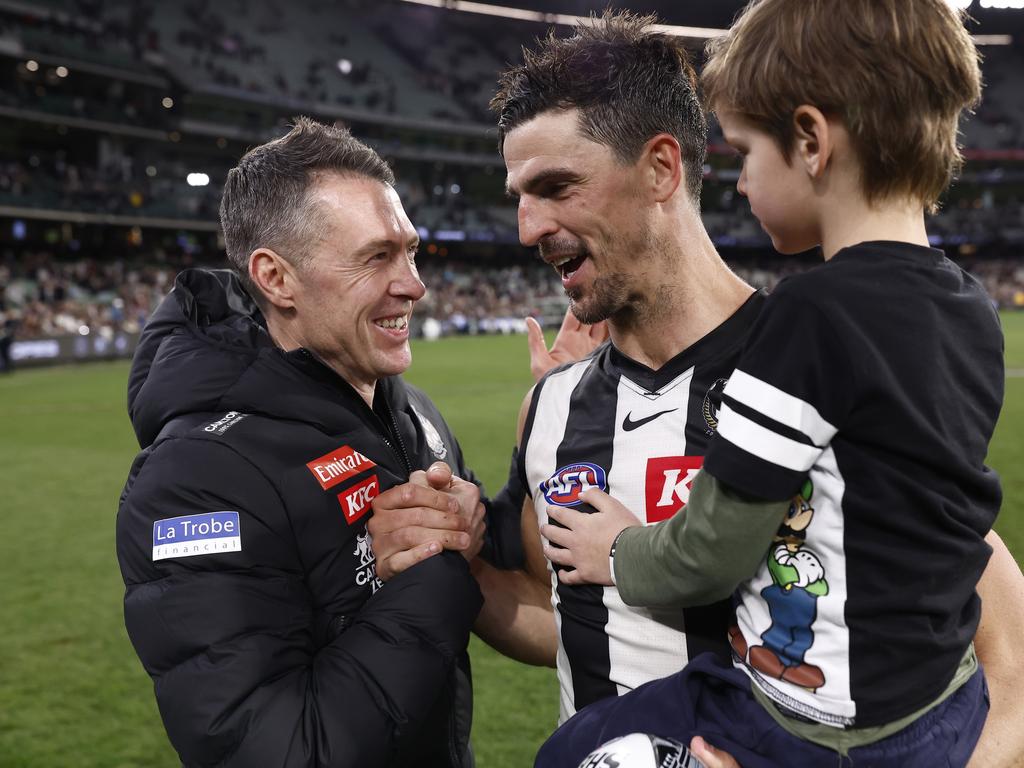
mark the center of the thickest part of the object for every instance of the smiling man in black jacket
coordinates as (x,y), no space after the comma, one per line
(269,409)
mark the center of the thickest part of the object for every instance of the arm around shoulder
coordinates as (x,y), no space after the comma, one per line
(997,643)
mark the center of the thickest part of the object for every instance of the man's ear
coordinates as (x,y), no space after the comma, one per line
(813,141)
(663,157)
(274,277)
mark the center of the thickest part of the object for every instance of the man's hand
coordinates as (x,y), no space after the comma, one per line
(711,757)
(431,512)
(573,342)
(586,538)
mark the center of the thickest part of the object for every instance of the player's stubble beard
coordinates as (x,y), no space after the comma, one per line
(618,296)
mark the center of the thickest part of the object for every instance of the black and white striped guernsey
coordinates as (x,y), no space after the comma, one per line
(611,422)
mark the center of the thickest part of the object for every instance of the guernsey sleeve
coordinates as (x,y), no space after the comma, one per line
(789,395)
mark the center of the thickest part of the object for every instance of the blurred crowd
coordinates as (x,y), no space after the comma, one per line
(45,297)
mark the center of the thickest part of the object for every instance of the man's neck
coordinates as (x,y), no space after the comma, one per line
(698,293)
(289,339)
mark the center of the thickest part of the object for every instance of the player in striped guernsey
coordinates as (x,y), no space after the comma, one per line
(631,248)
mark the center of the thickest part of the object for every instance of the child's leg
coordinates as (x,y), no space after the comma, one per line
(708,698)
(945,736)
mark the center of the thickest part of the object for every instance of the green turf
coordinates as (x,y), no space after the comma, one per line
(71,689)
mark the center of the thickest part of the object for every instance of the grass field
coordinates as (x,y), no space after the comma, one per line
(72,692)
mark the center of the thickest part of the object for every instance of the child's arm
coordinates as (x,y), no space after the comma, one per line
(697,557)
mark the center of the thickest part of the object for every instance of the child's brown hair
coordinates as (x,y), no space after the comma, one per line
(898,73)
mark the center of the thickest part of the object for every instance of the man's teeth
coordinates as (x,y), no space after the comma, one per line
(394,323)
(559,262)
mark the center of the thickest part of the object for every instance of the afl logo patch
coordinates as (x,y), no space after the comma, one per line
(712,403)
(565,486)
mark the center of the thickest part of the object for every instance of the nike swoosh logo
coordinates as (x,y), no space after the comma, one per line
(629,425)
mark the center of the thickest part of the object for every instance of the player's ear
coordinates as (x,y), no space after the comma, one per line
(812,140)
(274,277)
(663,162)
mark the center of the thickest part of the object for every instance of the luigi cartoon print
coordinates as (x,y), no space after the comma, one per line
(798,580)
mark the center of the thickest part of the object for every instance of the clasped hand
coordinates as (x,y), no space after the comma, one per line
(434,510)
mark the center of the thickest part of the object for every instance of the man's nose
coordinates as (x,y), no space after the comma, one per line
(535,221)
(407,282)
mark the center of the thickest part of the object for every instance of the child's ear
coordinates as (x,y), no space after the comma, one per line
(812,140)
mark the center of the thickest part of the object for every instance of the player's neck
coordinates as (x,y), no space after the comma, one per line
(695,293)
(854,221)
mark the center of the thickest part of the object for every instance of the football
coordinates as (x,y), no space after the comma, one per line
(641,750)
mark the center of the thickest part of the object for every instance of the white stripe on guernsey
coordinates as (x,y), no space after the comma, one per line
(549,422)
(779,406)
(763,443)
(643,644)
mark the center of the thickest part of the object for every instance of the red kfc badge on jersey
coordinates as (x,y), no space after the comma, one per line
(669,479)
(355,501)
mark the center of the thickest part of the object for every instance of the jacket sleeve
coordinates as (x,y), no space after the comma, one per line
(244,671)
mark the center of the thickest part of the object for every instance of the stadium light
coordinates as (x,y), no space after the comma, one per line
(696,33)
(197,179)
(345,66)
(564,19)
(167,102)
(32,65)
(62,71)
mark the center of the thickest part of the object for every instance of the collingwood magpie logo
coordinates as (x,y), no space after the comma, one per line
(366,569)
(712,404)
(433,437)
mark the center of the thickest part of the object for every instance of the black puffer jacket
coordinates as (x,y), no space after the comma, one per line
(251,596)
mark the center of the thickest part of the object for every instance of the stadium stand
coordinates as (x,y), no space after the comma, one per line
(112,107)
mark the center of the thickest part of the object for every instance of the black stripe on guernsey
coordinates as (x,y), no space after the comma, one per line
(591,419)
(767,422)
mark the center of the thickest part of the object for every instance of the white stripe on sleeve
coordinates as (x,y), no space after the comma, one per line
(762,442)
(779,406)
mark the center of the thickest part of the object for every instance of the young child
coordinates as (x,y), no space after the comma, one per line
(845,499)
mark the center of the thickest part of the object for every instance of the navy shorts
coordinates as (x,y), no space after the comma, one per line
(713,700)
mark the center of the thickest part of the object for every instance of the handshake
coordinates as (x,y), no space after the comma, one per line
(435,510)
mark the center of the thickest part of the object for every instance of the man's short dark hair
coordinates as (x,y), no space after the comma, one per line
(266,196)
(628,83)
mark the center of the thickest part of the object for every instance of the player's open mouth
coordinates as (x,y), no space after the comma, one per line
(568,265)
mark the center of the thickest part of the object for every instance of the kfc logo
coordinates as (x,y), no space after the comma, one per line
(355,502)
(669,480)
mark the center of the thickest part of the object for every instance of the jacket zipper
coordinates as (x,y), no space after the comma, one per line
(400,453)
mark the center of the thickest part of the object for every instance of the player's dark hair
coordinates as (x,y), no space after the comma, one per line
(628,82)
(266,201)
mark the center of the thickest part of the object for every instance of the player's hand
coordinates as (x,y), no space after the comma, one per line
(711,757)
(413,521)
(573,342)
(440,477)
(586,538)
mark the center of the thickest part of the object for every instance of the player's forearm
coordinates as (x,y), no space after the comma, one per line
(517,619)
(701,554)
(997,644)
